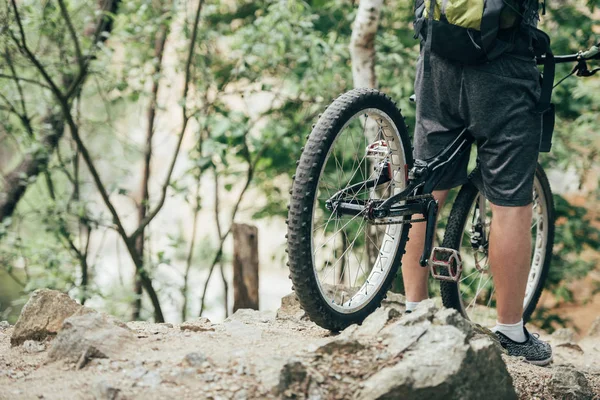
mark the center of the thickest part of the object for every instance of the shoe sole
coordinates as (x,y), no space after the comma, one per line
(540,363)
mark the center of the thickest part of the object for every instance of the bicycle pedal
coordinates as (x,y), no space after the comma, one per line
(445,264)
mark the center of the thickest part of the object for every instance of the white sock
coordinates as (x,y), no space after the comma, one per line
(411,305)
(514,332)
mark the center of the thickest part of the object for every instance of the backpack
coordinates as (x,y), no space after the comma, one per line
(473,31)
(478,31)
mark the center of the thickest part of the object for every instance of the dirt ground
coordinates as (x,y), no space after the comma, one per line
(238,359)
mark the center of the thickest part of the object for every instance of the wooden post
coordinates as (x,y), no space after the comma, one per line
(245,266)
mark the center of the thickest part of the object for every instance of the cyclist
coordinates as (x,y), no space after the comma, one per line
(497,102)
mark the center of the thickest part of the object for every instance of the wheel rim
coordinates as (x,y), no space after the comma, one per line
(351,258)
(476,288)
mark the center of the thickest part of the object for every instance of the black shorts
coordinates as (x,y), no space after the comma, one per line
(496,103)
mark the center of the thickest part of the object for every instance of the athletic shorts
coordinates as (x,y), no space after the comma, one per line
(496,102)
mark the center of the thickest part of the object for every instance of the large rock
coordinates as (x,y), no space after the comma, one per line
(290,308)
(201,324)
(88,336)
(595,328)
(438,359)
(563,335)
(569,384)
(43,316)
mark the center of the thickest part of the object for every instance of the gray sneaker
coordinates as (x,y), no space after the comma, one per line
(533,349)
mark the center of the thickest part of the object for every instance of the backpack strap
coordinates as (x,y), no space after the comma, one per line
(490,22)
(427,50)
(540,43)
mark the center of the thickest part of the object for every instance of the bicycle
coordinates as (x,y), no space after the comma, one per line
(347,210)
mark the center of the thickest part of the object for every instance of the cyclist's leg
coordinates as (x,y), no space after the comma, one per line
(415,277)
(438,121)
(510,257)
(507,129)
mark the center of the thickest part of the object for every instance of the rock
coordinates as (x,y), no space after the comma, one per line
(32,346)
(251,316)
(340,346)
(396,301)
(293,372)
(102,390)
(195,359)
(569,384)
(238,329)
(398,338)
(449,316)
(89,336)
(137,373)
(441,364)
(152,379)
(156,329)
(424,312)
(570,346)
(376,321)
(481,331)
(290,308)
(563,335)
(595,328)
(240,395)
(197,325)
(4,325)
(43,316)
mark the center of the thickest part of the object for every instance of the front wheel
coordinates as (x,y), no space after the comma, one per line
(342,265)
(468,231)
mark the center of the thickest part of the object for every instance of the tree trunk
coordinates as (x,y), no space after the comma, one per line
(362,52)
(159,49)
(15,183)
(362,43)
(245,266)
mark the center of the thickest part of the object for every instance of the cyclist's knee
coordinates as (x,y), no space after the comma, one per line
(510,212)
(440,196)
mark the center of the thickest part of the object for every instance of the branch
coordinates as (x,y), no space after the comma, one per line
(32,164)
(165,186)
(67,18)
(190,255)
(159,49)
(18,84)
(249,176)
(23,46)
(32,81)
(135,256)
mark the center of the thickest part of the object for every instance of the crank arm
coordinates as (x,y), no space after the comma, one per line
(431,217)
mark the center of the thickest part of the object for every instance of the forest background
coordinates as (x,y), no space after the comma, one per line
(134,132)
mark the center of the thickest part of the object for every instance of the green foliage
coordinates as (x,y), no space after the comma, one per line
(261,73)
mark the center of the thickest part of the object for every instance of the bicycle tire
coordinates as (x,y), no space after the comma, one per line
(303,193)
(457,221)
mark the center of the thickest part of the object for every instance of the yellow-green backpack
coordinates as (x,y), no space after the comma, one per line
(478,31)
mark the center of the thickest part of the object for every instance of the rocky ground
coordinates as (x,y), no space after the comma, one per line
(60,350)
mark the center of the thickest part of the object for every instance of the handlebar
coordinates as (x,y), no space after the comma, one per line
(581,59)
(592,54)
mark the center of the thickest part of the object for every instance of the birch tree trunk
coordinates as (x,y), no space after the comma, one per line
(362,53)
(362,43)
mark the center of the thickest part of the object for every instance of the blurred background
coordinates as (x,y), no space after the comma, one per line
(134,133)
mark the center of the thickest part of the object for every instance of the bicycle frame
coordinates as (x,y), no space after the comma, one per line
(416,197)
(423,177)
